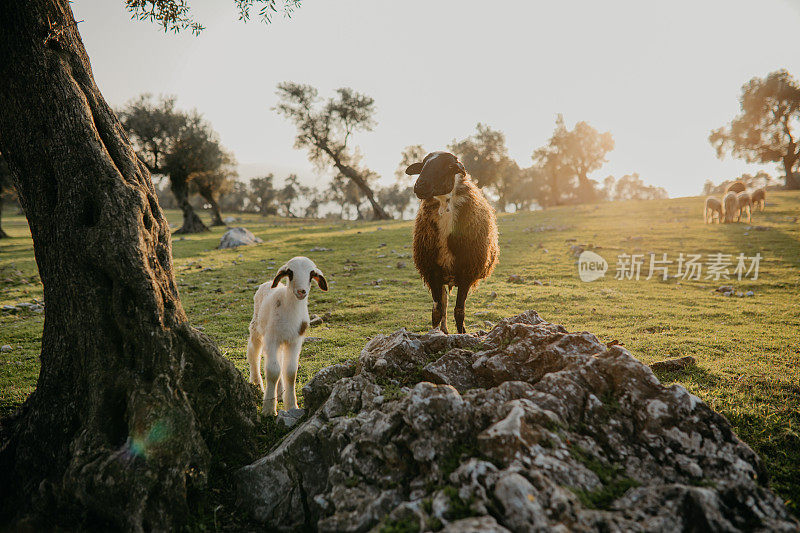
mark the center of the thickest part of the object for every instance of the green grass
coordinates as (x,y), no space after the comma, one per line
(747,349)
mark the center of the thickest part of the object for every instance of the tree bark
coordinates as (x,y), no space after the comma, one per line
(179,185)
(133,408)
(3,234)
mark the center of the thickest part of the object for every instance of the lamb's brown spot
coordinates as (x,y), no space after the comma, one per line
(303,328)
(277,304)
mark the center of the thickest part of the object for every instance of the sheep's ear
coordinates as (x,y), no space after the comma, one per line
(414,168)
(282,273)
(321,281)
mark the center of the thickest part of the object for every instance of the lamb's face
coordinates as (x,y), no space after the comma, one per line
(300,271)
(437,174)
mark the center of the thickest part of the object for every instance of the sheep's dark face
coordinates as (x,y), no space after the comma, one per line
(437,174)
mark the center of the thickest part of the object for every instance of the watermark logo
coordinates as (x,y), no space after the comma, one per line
(591,266)
(715,267)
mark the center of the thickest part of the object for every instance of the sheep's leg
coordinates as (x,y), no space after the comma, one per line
(443,323)
(272,372)
(254,346)
(439,312)
(291,362)
(460,311)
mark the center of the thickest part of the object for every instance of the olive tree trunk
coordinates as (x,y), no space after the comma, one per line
(3,234)
(216,213)
(133,407)
(179,184)
(789,161)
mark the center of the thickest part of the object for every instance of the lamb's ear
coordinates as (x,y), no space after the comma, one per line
(321,281)
(414,168)
(461,168)
(282,273)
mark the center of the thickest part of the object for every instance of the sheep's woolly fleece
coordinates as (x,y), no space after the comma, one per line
(525,428)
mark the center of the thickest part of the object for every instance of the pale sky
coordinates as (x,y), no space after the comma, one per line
(657,75)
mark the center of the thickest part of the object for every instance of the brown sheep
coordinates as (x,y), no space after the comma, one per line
(737,187)
(759,198)
(455,234)
(730,207)
(713,206)
(745,204)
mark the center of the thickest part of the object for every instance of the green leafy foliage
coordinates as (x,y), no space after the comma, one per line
(176,16)
(766,129)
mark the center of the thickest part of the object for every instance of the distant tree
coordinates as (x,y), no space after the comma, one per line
(766,129)
(291,191)
(176,144)
(568,159)
(263,195)
(510,185)
(631,187)
(213,184)
(607,191)
(485,156)
(396,197)
(324,129)
(237,198)
(6,190)
(410,154)
(526,189)
(196,150)
(346,194)
(315,199)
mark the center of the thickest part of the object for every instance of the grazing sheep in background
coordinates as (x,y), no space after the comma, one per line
(713,206)
(280,320)
(737,187)
(730,207)
(745,204)
(455,234)
(759,198)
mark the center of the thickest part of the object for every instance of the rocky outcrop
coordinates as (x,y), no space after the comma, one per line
(235,237)
(527,428)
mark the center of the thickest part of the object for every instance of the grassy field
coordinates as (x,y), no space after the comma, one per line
(748,349)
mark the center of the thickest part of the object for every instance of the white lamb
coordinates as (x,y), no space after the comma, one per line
(280,320)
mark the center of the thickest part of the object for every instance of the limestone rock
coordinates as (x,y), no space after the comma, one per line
(291,417)
(238,237)
(526,428)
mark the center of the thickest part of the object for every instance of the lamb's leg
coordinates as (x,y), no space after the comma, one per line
(254,346)
(272,372)
(460,310)
(291,361)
